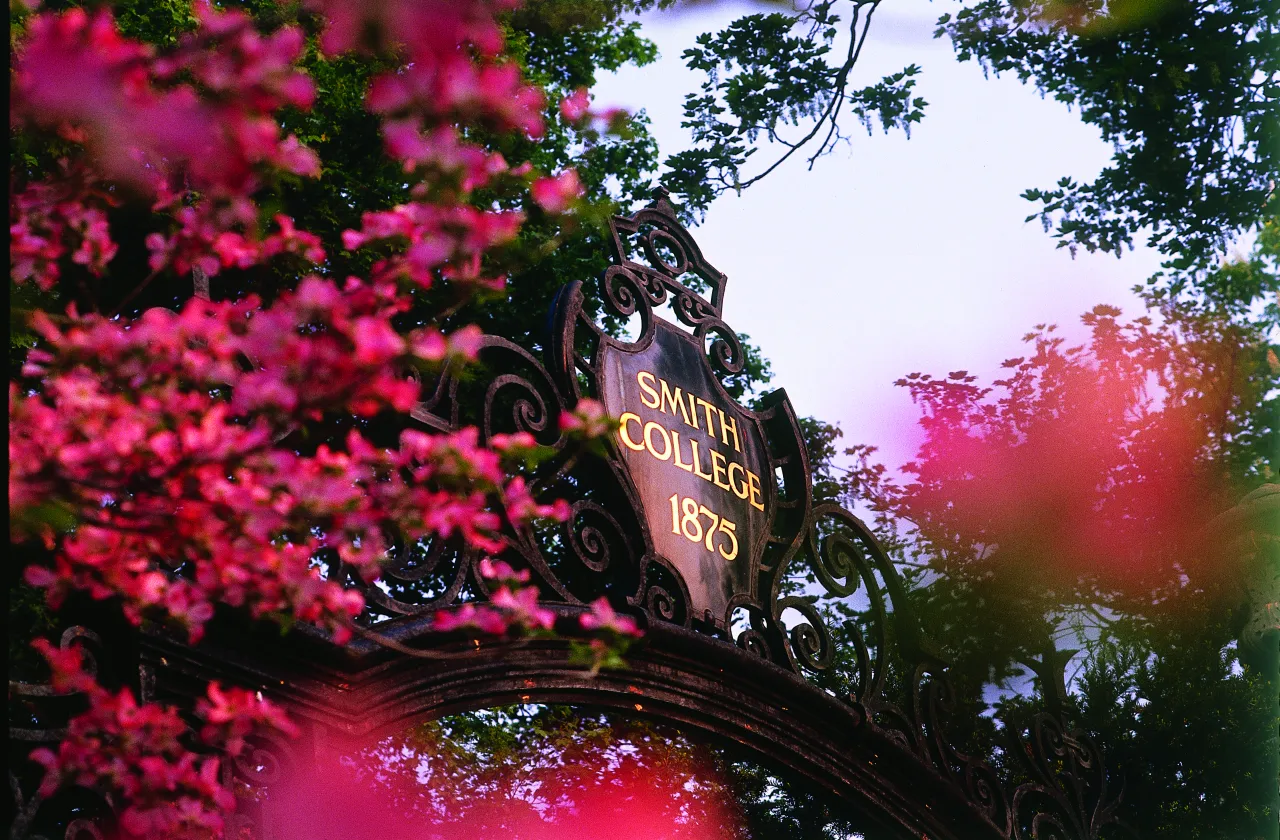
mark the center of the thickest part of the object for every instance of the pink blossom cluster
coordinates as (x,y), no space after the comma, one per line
(588,420)
(76,74)
(436,242)
(575,109)
(557,194)
(157,456)
(610,636)
(246,67)
(217,139)
(230,715)
(512,604)
(49,219)
(602,618)
(423,105)
(560,193)
(139,755)
(132,432)
(1083,465)
(213,235)
(423,29)
(456,89)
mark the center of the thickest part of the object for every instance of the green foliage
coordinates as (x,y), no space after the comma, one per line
(552,758)
(1185,92)
(23,300)
(776,805)
(1185,722)
(29,617)
(159,22)
(503,765)
(766,73)
(820,441)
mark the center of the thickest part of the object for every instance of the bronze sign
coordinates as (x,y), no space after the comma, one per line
(704,474)
(698,462)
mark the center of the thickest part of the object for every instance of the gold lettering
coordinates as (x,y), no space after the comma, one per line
(626,418)
(675,448)
(717,470)
(707,408)
(753,482)
(697,467)
(666,441)
(664,444)
(674,400)
(729,426)
(647,389)
(739,491)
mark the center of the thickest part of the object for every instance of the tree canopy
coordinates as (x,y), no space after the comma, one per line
(1187,94)
(1058,505)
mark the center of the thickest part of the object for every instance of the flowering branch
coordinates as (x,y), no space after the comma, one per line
(150,455)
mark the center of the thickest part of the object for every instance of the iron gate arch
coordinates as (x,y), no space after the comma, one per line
(721,657)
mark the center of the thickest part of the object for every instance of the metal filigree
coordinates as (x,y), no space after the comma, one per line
(810,594)
(1066,796)
(38,715)
(811,554)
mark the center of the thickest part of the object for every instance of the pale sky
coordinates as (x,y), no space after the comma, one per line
(894,255)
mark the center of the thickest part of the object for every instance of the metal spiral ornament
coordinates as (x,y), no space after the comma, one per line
(810,640)
(589,543)
(266,760)
(412,567)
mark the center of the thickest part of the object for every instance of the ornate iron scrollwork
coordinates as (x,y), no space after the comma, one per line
(811,553)
(784,561)
(37,717)
(1066,795)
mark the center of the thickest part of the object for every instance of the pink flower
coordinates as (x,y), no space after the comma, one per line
(51,217)
(588,420)
(468,616)
(521,608)
(376,341)
(556,195)
(574,106)
(498,570)
(516,444)
(431,345)
(231,714)
(171,435)
(135,752)
(521,505)
(602,617)
(464,342)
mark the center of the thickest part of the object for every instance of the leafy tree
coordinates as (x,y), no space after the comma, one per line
(1066,506)
(1052,509)
(1186,93)
(549,771)
(1186,724)
(780,77)
(1063,504)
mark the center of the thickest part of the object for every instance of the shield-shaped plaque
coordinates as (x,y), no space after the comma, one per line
(697,460)
(701,468)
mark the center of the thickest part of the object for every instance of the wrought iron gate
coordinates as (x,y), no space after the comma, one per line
(736,645)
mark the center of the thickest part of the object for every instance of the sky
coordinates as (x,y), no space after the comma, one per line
(894,255)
